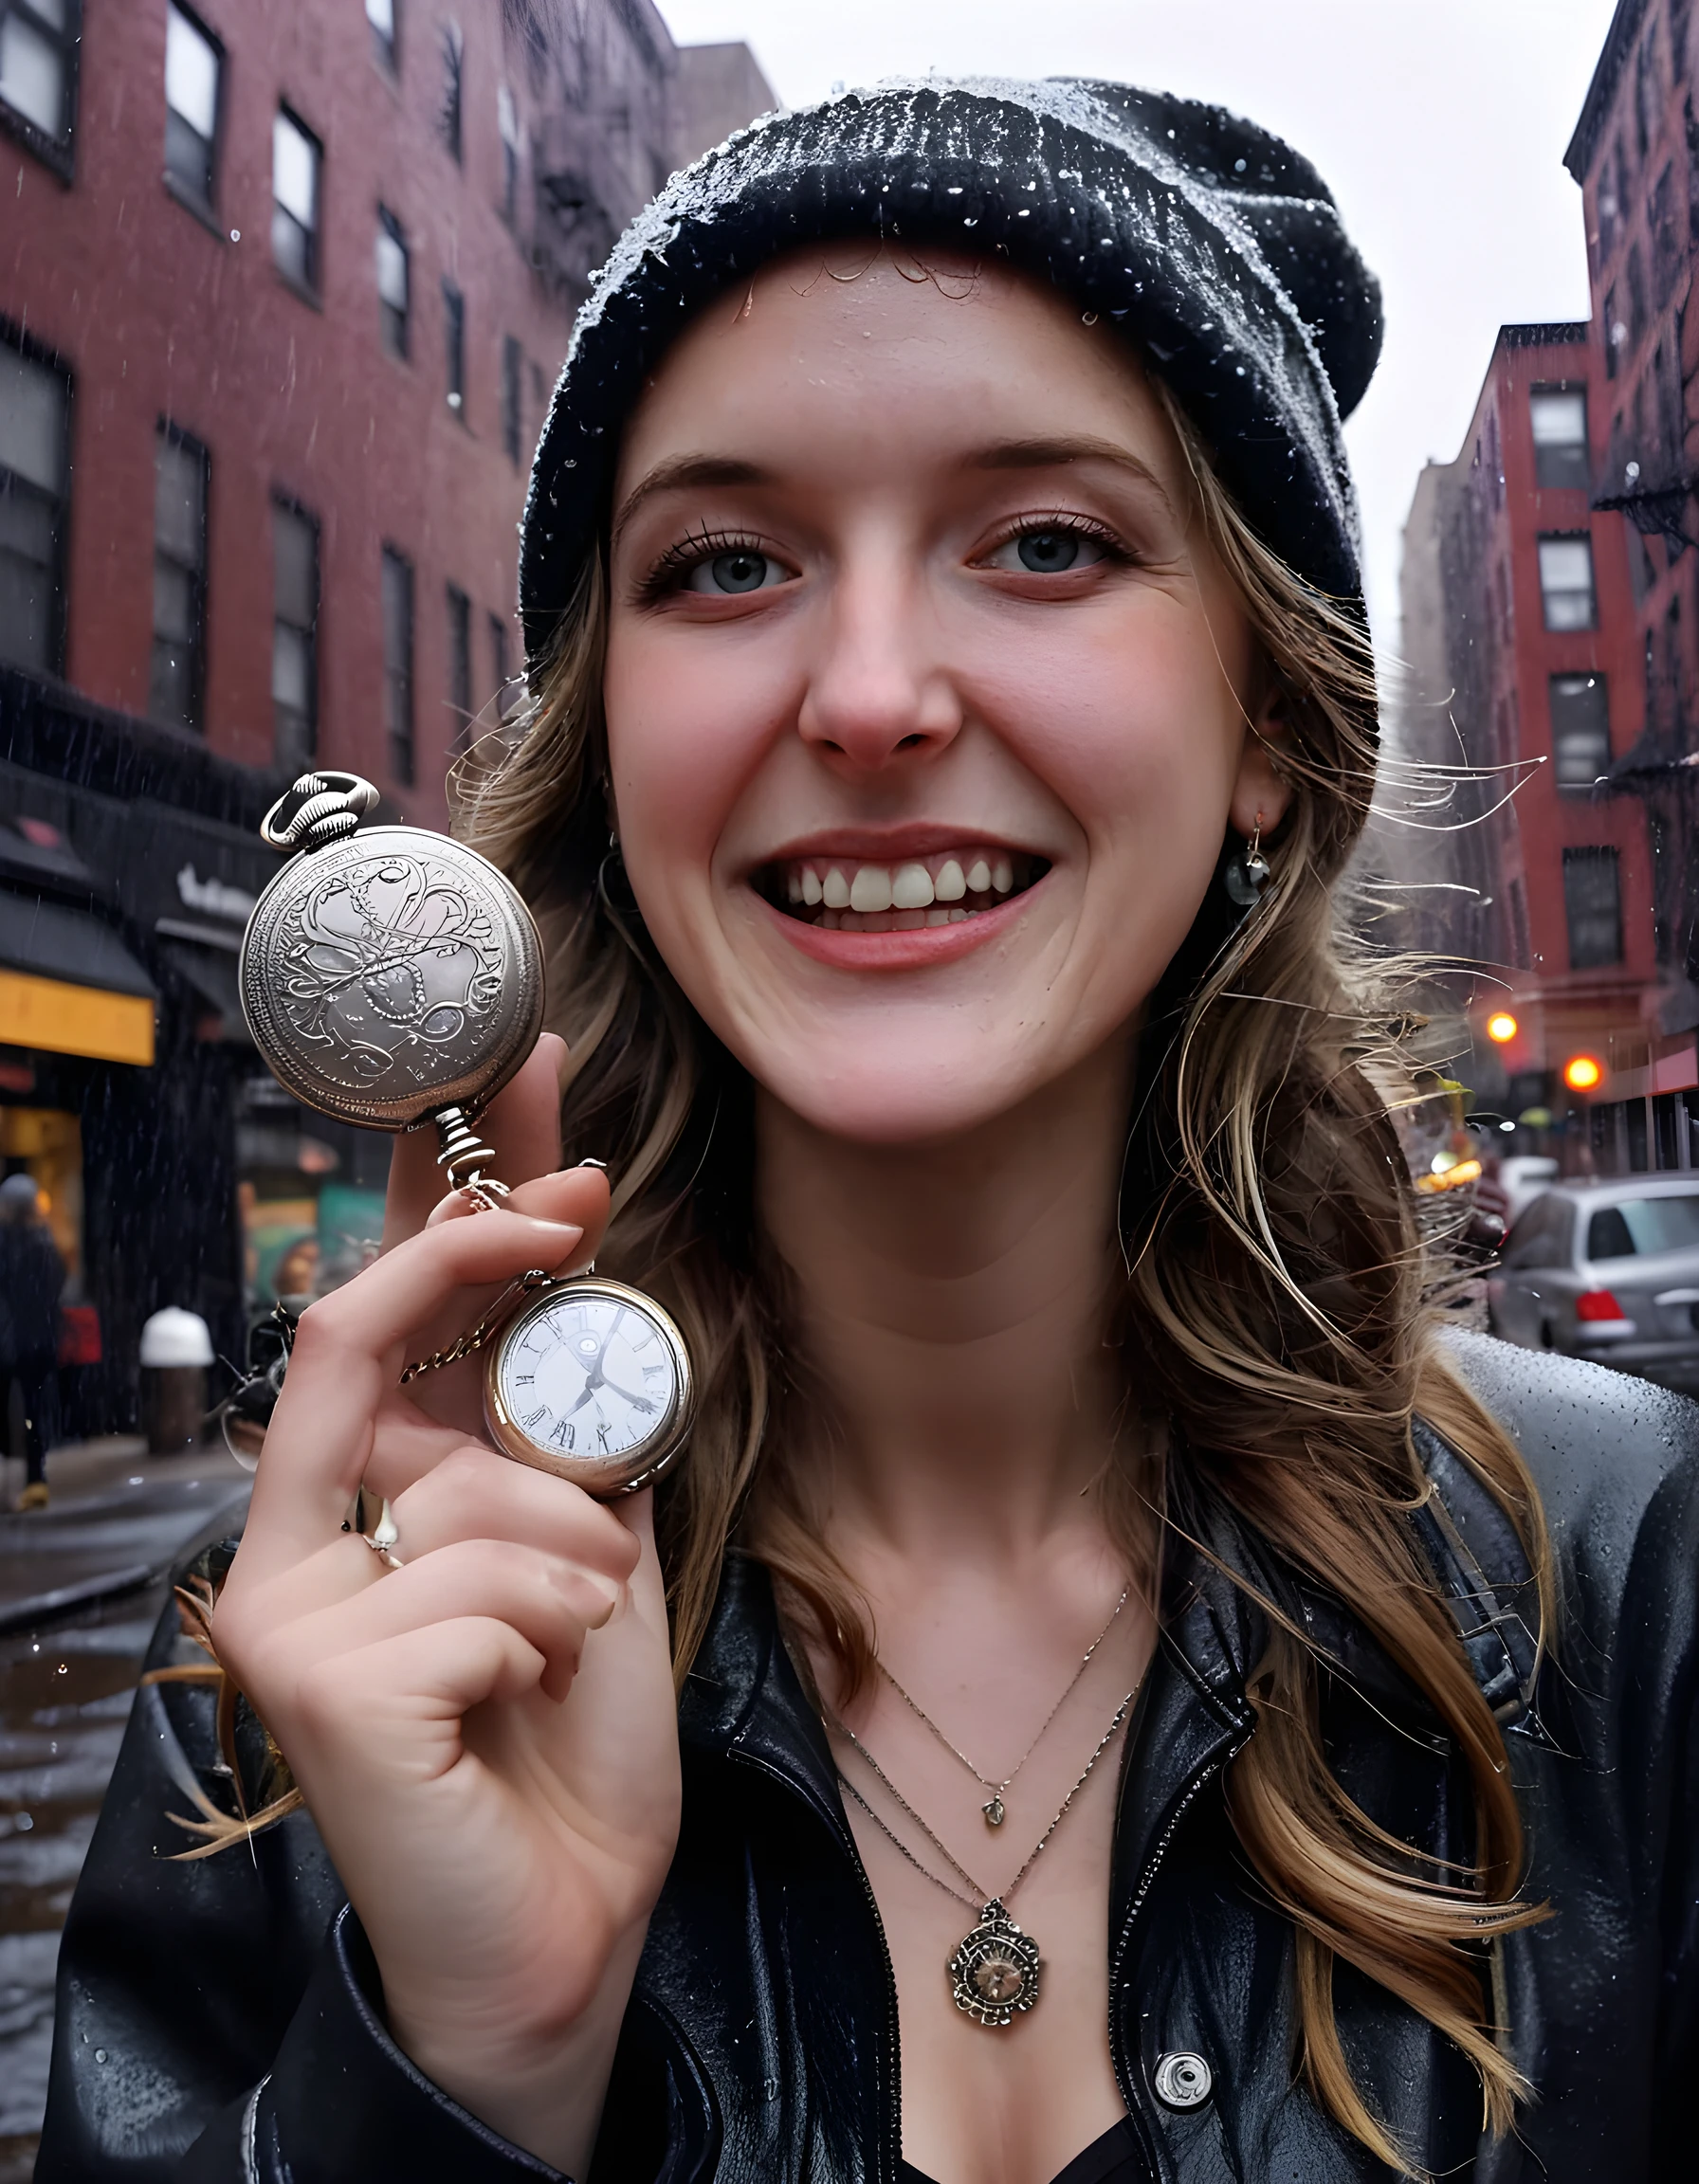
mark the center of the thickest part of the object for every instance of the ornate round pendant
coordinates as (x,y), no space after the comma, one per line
(389,975)
(591,1381)
(993,1973)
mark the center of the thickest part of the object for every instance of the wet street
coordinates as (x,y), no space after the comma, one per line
(64,1698)
(81,1588)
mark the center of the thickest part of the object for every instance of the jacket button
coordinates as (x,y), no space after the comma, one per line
(1183,2081)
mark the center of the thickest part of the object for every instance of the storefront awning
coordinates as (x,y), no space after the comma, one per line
(211,973)
(69,986)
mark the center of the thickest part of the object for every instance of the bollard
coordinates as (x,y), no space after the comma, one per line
(177,1350)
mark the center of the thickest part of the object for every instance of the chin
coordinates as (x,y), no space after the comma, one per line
(903,1096)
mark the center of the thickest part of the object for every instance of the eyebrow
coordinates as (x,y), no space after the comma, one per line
(1057,454)
(686,473)
(691,473)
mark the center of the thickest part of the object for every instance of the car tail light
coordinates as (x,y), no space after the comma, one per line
(1598,1305)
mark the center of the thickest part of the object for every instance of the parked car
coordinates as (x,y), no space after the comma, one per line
(1608,1272)
(1523,1176)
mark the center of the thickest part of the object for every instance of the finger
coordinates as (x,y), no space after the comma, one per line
(345,1360)
(364,1708)
(473,1494)
(521,1122)
(454,1395)
(551,1602)
(576,1194)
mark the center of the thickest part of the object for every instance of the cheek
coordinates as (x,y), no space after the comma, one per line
(1134,727)
(684,738)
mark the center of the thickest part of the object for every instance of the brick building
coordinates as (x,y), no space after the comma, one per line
(283,294)
(1518,632)
(1635,154)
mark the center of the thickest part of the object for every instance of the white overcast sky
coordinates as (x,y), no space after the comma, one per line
(1438,124)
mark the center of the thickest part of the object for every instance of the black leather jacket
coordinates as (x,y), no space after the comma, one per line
(223,2020)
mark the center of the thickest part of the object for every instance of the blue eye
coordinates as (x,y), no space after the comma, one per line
(1046,552)
(742,570)
(1055,551)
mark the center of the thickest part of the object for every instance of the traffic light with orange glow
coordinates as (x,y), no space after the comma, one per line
(1583,1073)
(1502,1026)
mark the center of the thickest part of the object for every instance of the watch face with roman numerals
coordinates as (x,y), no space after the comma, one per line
(591,1381)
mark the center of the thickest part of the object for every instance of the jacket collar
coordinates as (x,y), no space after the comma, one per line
(744,1699)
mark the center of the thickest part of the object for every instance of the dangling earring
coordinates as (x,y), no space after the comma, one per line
(1245,877)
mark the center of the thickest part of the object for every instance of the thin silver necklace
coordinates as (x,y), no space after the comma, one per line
(995,1810)
(994,1972)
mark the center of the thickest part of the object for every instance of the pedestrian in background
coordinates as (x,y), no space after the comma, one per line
(31,1277)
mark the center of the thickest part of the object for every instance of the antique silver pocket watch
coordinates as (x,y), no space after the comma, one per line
(392,977)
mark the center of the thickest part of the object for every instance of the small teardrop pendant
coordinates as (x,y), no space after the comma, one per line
(994,1812)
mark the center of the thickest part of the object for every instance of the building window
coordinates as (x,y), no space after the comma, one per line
(1636,294)
(454,344)
(1593,904)
(296,157)
(391,281)
(1559,420)
(511,427)
(505,698)
(398,661)
(193,63)
(381,15)
(38,73)
(1616,334)
(1566,582)
(1646,94)
(35,403)
(454,53)
(1581,729)
(1521,950)
(507,122)
(460,665)
(294,634)
(1666,244)
(176,677)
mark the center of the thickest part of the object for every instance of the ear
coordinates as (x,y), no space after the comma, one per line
(1260,791)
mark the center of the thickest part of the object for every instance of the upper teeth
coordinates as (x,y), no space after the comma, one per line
(871,888)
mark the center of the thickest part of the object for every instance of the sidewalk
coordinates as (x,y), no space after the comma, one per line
(118,1520)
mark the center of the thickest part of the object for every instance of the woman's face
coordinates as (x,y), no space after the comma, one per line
(927,702)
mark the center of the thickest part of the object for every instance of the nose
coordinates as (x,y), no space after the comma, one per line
(878,691)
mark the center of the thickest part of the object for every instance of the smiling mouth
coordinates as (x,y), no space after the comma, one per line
(845,895)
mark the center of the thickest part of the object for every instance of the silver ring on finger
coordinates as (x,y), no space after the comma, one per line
(384,1538)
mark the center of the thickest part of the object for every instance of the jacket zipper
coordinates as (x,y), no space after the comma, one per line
(1130,2093)
(892,2135)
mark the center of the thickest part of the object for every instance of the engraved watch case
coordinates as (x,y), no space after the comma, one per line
(391,974)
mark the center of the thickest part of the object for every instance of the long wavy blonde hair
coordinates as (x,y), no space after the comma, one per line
(1271,1308)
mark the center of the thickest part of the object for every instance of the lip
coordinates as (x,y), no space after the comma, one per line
(919,949)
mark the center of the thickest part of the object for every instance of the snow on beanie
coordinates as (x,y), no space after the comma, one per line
(1215,246)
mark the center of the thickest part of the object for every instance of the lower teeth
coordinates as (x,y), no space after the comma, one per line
(890,920)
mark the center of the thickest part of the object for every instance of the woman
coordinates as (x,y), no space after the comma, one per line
(1113,1738)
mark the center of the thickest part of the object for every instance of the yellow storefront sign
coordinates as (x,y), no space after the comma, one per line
(62,1019)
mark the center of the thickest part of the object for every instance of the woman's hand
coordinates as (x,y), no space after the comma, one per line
(485,1737)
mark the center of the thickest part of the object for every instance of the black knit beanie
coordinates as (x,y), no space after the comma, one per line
(1216,247)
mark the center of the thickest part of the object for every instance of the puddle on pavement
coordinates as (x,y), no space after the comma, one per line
(64,1698)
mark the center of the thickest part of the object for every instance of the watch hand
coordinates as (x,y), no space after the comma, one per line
(640,1402)
(592,1377)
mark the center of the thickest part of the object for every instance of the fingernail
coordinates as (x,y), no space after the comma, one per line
(592,1162)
